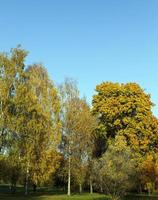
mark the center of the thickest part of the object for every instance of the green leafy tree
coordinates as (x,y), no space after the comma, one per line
(117,169)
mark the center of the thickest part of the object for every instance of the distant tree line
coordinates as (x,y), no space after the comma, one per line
(49,135)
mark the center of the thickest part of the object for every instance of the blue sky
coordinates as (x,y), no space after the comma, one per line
(89,40)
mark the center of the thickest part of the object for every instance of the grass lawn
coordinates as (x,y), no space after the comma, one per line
(54,197)
(73,197)
(46,194)
(141,197)
(50,194)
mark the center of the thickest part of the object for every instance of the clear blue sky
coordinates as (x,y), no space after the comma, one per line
(90,40)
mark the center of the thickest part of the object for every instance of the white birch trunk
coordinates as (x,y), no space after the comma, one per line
(26,181)
(69,175)
(80,188)
(91,186)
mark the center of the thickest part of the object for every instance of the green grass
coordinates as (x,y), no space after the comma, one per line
(46,194)
(73,197)
(50,194)
(54,197)
(141,197)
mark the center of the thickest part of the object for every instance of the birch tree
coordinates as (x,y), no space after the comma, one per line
(37,125)
(68,93)
(11,73)
(78,126)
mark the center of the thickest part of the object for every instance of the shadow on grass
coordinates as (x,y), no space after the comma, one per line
(5,189)
(45,193)
(141,197)
(50,197)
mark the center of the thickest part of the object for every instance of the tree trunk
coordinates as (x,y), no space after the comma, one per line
(80,188)
(34,187)
(140,188)
(26,182)
(13,183)
(69,175)
(2,129)
(101,185)
(101,188)
(153,187)
(91,186)
(149,192)
(13,188)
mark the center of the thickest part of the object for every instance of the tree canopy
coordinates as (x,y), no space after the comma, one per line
(50,135)
(125,109)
